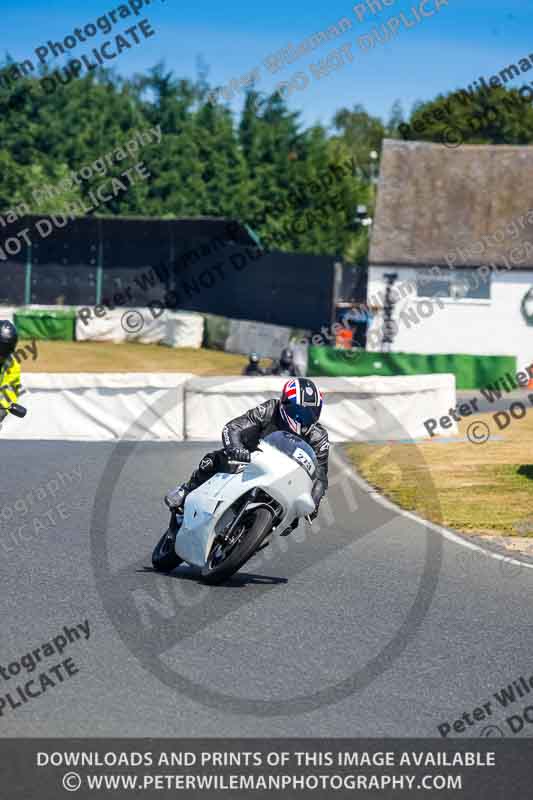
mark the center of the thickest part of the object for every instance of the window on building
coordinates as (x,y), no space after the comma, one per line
(457,284)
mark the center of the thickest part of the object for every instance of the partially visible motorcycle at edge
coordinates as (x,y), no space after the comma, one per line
(16,410)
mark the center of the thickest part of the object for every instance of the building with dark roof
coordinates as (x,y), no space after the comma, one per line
(453,241)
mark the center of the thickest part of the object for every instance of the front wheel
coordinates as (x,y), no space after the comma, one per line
(228,557)
(164,557)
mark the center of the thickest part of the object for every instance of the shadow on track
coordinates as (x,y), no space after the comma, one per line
(237,580)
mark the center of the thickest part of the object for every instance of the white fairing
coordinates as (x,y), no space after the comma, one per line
(271,470)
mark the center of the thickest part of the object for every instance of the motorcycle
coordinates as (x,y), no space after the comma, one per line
(231,516)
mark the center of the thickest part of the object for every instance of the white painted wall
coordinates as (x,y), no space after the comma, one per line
(105,406)
(475,327)
(355,409)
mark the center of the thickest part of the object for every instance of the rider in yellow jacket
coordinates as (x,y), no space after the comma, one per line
(9,367)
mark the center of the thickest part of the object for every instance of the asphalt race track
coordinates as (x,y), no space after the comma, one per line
(369,625)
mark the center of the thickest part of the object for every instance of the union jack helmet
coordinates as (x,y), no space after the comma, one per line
(300,405)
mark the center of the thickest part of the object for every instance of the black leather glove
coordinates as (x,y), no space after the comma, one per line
(238,454)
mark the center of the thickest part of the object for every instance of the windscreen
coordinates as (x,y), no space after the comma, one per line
(294,447)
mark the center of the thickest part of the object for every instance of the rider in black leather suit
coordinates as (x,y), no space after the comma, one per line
(253,367)
(242,435)
(286,366)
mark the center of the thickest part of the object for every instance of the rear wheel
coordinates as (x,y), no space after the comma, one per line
(228,556)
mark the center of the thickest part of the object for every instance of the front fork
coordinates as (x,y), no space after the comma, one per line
(174,525)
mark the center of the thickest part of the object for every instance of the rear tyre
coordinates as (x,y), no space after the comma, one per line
(164,558)
(257,529)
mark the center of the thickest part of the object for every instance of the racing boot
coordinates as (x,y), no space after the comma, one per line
(175,498)
(292,527)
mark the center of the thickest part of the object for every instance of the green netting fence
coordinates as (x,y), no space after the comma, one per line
(471,371)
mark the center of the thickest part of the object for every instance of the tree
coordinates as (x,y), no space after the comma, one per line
(298,187)
(396,118)
(361,132)
(496,116)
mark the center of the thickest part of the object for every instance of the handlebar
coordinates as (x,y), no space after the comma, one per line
(17,410)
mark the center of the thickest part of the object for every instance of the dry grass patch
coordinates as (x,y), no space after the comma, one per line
(130,357)
(485,488)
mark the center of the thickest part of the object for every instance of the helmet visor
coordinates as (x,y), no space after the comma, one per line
(306,416)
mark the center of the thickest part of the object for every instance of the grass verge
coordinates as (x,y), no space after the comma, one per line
(129,357)
(481,489)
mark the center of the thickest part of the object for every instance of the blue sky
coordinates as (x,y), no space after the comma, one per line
(465,39)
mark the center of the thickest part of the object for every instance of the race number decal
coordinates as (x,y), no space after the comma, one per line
(302,458)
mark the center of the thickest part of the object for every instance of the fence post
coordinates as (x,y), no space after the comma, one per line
(171,283)
(99,265)
(27,282)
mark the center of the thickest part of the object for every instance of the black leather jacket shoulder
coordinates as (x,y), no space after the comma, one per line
(246,430)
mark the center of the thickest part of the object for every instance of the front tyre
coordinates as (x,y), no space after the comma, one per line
(164,558)
(227,558)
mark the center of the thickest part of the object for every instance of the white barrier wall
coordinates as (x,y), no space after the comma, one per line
(100,407)
(173,328)
(262,338)
(267,341)
(110,406)
(355,409)
(8,312)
